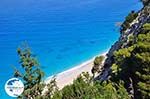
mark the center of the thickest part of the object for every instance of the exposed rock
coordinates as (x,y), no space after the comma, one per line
(134,29)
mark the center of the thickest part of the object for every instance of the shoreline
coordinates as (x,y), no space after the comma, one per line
(66,77)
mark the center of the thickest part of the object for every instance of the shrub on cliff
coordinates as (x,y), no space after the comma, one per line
(97,62)
(126,24)
(132,65)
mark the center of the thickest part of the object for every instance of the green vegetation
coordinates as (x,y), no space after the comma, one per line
(130,76)
(133,63)
(84,88)
(126,24)
(97,62)
(31,74)
(52,90)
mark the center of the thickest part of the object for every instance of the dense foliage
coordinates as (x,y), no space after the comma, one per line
(132,65)
(31,74)
(84,88)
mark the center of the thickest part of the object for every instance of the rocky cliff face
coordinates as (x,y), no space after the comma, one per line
(143,16)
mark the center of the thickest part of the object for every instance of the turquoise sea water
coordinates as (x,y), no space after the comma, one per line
(62,33)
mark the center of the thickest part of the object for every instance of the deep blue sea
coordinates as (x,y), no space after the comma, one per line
(61,33)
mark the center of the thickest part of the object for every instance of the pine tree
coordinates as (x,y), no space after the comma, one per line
(31,75)
(132,64)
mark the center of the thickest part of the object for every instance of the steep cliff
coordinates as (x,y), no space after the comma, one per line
(128,59)
(143,16)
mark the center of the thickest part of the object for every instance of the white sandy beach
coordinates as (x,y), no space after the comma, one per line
(67,77)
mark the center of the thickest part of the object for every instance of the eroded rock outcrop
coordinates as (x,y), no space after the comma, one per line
(143,16)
